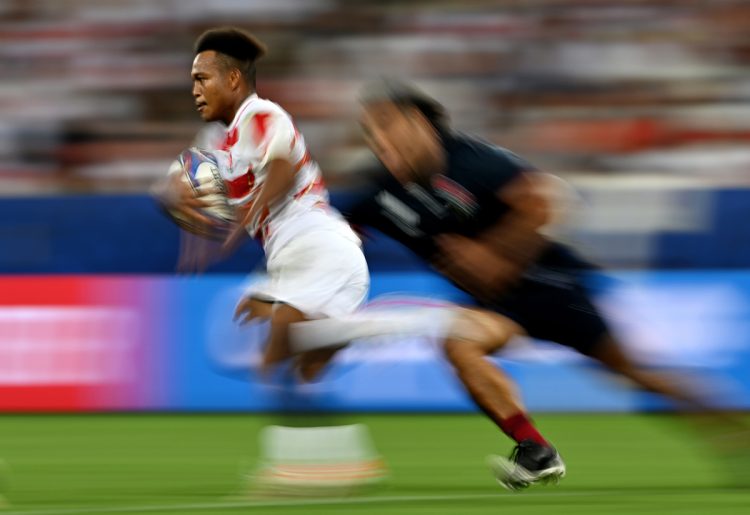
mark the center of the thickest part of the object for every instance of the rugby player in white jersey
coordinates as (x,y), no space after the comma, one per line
(315,266)
(314,261)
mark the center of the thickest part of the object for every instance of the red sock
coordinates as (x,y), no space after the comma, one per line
(519,427)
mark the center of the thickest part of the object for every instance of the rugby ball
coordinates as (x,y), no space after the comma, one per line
(200,169)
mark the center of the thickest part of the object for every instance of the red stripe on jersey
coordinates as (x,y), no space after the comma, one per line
(241,186)
(296,137)
(317,186)
(260,125)
(302,162)
(263,232)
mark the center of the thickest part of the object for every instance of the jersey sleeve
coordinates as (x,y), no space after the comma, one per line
(269,135)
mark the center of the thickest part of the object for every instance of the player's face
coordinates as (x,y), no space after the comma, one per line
(212,88)
(400,137)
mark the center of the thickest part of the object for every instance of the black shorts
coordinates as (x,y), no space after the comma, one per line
(552,303)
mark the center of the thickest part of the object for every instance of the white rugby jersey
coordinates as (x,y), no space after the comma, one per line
(261,132)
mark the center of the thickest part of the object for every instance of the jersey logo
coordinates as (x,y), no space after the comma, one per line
(399,213)
(241,186)
(419,193)
(458,197)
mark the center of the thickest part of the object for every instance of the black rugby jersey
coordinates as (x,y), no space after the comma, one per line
(461,200)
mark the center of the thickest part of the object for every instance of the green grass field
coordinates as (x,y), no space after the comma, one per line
(145,464)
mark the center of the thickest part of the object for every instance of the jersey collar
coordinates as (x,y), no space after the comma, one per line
(243,107)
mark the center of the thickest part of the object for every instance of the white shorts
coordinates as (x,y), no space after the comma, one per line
(322,273)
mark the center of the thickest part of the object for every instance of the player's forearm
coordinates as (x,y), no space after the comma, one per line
(279,182)
(517,238)
(517,235)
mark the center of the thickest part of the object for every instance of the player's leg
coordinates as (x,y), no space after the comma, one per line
(250,308)
(725,432)
(492,390)
(465,332)
(277,349)
(610,353)
(496,395)
(559,308)
(550,305)
(577,323)
(469,336)
(320,274)
(315,342)
(562,311)
(312,363)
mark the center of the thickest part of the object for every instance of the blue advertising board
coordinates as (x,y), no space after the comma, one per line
(695,324)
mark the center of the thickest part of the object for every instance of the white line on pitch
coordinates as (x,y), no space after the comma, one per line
(228,505)
(254,504)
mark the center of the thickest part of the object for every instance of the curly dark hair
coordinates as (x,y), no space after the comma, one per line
(404,94)
(236,48)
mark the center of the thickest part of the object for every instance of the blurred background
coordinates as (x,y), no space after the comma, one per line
(642,106)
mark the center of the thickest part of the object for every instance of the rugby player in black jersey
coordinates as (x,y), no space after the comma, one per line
(476,213)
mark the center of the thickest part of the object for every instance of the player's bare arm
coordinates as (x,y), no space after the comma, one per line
(517,235)
(475,265)
(495,260)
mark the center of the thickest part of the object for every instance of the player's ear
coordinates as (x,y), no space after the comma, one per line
(235,78)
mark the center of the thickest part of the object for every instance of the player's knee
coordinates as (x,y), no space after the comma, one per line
(457,350)
(310,365)
(484,330)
